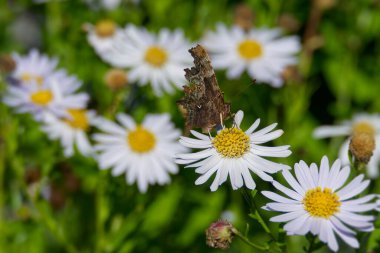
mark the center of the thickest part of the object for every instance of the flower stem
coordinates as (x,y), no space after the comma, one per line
(311,244)
(256,214)
(247,241)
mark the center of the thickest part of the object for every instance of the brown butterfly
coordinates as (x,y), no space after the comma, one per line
(203,105)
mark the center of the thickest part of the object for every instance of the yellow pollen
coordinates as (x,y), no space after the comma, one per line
(78,119)
(105,28)
(141,140)
(320,203)
(156,56)
(250,49)
(26,77)
(231,142)
(363,127)
(41,97)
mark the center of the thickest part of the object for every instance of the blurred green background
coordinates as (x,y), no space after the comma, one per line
(91,211)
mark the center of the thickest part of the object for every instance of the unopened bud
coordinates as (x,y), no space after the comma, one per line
(292,73)
(289,23)
(105,28)
(116,79)
(243,16)
(362,146)
(325,4)
(219,235)
(7,64)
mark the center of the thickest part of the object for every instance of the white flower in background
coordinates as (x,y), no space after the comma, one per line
(52,96)
(235,153)
(318,202)
(262,52)
(361,123)
(33,67)
(102,35)
(108,5)
(159,60)
(71,130)
(143,151)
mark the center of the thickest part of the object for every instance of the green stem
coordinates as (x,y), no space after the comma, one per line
(247,241)
(311,244)
(255,212)
(100,213)
(47,219)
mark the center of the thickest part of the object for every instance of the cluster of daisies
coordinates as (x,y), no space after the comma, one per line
(159,59)
(144,151)
(318,200)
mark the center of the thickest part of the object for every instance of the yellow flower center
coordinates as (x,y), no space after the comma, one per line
(42,97)
(105,28)
(231,142)
(363,127)
(141,140)
(26,77)
(78,119)
(156,56)
(320,203)
(249,49)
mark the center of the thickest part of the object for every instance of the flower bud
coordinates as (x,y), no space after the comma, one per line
(116,79)
(7,64)
(325,4)
(219,235)
(289,23)
(243,16)
(361,146)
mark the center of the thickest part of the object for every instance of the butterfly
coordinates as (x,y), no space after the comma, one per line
(203,105)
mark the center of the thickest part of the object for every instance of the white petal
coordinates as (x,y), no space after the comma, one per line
(287,216)
(329,131)
(323,172)
(238,118)
(292,194)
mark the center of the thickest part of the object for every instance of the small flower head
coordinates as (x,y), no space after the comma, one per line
(116,79)
(105,28)
(155,59)
(219,234)
(319,201)
(102,35)
(33,68)
(234,153)
(363,133)
(143,151)
(55,95)
(262,52)
(362,146)
(71,130)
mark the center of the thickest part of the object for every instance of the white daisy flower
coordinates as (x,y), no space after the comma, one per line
(159,60)
(143,151)
(319,203)
(234,153)
(262,52)
(360,123)
(109,5)
(71,130)
(52,96)
(33,67)
(102,35)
